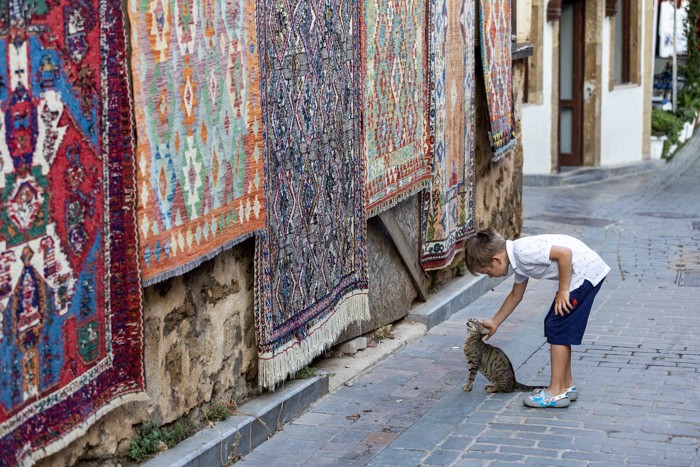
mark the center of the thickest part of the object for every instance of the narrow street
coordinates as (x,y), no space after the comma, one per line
(638,370)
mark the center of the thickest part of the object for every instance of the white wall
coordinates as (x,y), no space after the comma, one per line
(621,111)
(536,120)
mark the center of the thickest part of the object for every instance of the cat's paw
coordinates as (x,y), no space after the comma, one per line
(490,388)
(467,387)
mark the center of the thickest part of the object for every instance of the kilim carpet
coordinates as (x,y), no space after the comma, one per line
(70,295)
(395,97)
(311,261)
(495,29)
(199,130)
(448,208)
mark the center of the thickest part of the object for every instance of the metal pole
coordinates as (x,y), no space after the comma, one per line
(674,84)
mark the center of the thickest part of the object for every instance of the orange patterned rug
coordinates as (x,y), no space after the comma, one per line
(199,131)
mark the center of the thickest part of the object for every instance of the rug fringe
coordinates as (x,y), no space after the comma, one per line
(399,197)
(275,367)
(192,264)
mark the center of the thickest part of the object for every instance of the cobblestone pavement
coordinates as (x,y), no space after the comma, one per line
(638,369)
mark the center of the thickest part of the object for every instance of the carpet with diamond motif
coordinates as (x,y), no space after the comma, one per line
(311,259)
(495,29)
(447,215)
(199,130)
(394,58)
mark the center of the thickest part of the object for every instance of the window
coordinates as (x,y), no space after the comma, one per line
(622,42)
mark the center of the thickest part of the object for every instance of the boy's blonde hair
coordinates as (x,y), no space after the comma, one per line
(480,249)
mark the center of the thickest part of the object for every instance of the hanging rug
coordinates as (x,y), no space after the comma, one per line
(199,130)
(71,343)
(447,215)
(495,28)
(311,260)
(395,96)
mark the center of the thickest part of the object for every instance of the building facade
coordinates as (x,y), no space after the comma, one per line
(588,84)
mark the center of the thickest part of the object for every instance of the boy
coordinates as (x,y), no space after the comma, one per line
(580,272)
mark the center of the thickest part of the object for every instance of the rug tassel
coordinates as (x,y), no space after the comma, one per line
(275,367)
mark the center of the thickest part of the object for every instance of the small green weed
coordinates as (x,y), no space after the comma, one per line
(150,436)
(217,413)
(306,372)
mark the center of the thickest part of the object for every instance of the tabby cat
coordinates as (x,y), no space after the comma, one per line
(491,361)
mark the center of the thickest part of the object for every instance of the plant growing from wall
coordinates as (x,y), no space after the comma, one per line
(151,439)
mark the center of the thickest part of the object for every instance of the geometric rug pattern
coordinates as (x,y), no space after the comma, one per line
(495,28)
(447,215)
(311,259)
(199,130)
(394,101)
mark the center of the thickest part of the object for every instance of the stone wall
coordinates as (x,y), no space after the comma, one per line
(199,328)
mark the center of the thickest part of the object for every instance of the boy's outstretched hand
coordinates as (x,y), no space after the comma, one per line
(490,326)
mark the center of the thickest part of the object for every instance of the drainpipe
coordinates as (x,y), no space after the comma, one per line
(674,84)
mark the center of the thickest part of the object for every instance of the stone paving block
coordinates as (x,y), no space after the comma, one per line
(593,456)
(426,437)
(380,438)
(534,452)
(441,457)
(500,441)
(456,443)
(468,429)
(554,437)
(396,457)
(509,427)
(473,463)
(660,462)
(500,457)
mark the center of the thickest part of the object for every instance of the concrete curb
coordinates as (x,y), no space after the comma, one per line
(590,174)
(240,434)
(262,416)
(452,298)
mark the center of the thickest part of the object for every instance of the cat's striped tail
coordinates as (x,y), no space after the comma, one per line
(524,387)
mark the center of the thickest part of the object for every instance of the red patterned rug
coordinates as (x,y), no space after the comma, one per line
(70,294)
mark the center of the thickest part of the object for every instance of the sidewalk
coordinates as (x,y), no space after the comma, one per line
(638,369)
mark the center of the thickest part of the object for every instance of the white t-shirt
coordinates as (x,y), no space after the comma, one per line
(529,257)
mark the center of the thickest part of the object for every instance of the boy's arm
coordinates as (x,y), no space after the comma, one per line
(563,256)
(512,300)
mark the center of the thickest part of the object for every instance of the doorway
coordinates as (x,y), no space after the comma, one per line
(571,70)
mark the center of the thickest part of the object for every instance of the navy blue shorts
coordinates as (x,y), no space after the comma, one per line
(569,329)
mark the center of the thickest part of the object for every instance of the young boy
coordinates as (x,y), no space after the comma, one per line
(580,272)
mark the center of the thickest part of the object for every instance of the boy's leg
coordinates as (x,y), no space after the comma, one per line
(569,381)
(561,369)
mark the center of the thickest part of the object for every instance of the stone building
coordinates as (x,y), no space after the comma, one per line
(587,101)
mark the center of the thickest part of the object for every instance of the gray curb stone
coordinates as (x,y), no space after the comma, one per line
(240,434)
(452,298)
(590,174)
